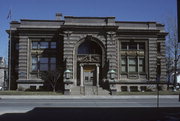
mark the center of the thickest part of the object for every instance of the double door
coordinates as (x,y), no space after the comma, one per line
(89,75)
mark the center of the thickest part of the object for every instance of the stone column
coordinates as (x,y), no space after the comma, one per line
(97,76)
(82,75)
(120,89)
(139,88)
(23,58)
(128,89)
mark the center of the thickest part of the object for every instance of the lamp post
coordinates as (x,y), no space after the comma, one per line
(67,82)
(67,74)
(112,74)
(158,75)
(112,82)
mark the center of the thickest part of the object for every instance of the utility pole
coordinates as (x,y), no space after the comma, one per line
(158,76)
(176,58)
(175,67)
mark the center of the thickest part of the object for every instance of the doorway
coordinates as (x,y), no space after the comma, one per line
(89,75)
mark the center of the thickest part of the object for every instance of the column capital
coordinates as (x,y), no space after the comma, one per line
(98,65)
(111,33)
(81,64)
(68,33)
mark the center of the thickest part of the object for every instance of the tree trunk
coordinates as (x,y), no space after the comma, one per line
(54,90)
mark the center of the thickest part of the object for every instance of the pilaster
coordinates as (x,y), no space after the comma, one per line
(112,52)
(23,57)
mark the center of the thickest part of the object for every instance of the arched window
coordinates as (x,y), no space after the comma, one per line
(89,47)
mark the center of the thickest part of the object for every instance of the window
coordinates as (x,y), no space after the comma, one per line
(86,77)
(53,45)
(132,64)
(52,64)
(124,64)
(141,46)
(89,47)
(141,65)
(34,63)
(124,45)
(43,63)
(133,46)
(44,45)
(34,45)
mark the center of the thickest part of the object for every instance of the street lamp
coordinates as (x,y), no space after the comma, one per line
(112,74)
(67,74)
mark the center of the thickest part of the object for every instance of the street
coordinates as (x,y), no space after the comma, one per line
(24,105)
(99,108)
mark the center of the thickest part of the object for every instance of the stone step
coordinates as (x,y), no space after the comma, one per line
(89,90)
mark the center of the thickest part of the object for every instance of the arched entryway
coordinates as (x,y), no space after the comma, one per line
(89,62)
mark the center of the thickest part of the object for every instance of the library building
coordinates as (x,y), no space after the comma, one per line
(93,55)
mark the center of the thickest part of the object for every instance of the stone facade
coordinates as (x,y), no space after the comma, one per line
(89,49)
(3,74)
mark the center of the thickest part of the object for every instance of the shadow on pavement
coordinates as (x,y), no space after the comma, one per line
(95,114)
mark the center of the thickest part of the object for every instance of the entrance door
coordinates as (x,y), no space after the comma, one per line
(89,75)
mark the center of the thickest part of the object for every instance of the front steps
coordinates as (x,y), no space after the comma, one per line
(89,90)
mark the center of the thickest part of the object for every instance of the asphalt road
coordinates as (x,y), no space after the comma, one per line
(25,105)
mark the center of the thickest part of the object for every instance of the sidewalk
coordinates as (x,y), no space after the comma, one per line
(86,97)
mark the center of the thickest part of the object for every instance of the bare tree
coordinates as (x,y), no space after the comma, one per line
(172,48)
(52,78)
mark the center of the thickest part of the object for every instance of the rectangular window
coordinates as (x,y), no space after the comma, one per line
(133,46)
(43,64)
(141,46)
(141,64)
(129,62)
(34,45)
(34,63)
(124,45)
(53,45)
(52,64)
(132,64)
(124,64)
(44,45)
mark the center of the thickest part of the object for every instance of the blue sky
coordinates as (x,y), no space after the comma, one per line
(123,10)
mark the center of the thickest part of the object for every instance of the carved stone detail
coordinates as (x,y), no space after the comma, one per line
(89,58)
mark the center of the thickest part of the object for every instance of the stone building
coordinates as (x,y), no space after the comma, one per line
(96,53)
(3,74)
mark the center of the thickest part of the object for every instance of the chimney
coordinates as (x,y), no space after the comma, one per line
(58,16)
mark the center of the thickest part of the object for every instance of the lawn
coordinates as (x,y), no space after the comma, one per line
(150,93)
(29,93)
